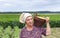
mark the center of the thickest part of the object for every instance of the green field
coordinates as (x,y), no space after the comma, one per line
(9,17)
(15,17)
(13,20)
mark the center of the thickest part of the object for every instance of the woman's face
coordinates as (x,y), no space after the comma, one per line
(29,20)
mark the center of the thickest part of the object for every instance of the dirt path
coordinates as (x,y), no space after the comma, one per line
(55,33)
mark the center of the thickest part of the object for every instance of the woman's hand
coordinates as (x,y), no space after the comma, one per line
(47,19)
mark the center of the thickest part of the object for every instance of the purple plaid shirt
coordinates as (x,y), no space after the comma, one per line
(35,33)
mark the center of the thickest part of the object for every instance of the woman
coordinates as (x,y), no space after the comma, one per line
(30,31)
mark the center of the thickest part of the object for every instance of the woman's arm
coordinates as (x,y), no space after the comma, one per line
(48,29)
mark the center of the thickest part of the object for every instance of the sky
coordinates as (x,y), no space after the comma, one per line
(29,5)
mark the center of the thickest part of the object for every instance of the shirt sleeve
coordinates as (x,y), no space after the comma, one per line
(43,31)
(22,34)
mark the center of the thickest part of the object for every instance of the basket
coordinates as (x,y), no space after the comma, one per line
(38,21)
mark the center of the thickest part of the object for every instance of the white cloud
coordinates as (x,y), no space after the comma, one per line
(30,5)
(7,4)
